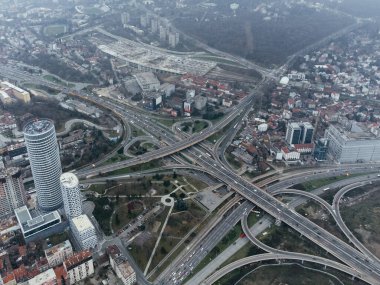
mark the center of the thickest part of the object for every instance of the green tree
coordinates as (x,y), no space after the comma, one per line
(117,220)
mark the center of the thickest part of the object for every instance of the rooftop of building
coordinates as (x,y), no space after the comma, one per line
(69,180)
(8,278)
(10,85)
(113,250)
(82,223)
(124,266)
(10,171)
(352,130)
(59,247)
(43,277)
(77,259)
(39,126)
(27,222)
(156,59)
(61,273)
(146,78)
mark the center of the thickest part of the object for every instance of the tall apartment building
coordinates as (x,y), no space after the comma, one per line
(293,133)
(163,32)
(12,193)
(299,133)
(42,146)
(154,25)
(79,266)
(84,231)
(72,201)
(125,17)
(57,254)
(307,133)
(356,144)
(173,39)
(15,91)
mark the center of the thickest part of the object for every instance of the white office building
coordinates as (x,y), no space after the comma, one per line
(299,133)
(72,201)
(353,143)
(32,225)
(42,146)
(84,231)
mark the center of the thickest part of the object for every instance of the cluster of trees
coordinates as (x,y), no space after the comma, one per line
(55,66)
(103,208)
(41,107)
(212,115)
(266,42)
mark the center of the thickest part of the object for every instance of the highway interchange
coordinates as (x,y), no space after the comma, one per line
(361,262)
(368,271)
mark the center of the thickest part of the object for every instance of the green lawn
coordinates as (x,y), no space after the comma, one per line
(314,184)
(363,219)
(199,126)
(142,246)
(54,30)
(57,80)
(98,188)
(116,158)
(232,161)
(166,122)
(58,238)
(287,274)
(37,87)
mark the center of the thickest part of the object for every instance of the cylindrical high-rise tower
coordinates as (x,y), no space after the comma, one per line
(72,201)
(42,146)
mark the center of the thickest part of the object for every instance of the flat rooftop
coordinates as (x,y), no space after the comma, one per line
(59,247)
(146,78)
(69,180)
(356,131)
(155,59)
(38,127)
(82,223)
(43,278)
(29,223)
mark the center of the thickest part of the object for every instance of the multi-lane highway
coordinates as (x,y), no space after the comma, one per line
(180,269)
(368,271)
(271,205)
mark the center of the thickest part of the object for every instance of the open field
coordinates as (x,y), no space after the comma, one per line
(294,275)
(314,184)
(38,87)
(179,225)
(320,216)
(55,30)
(361,214)
(128,211)
(142,246)
(58,81)
(232,161)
